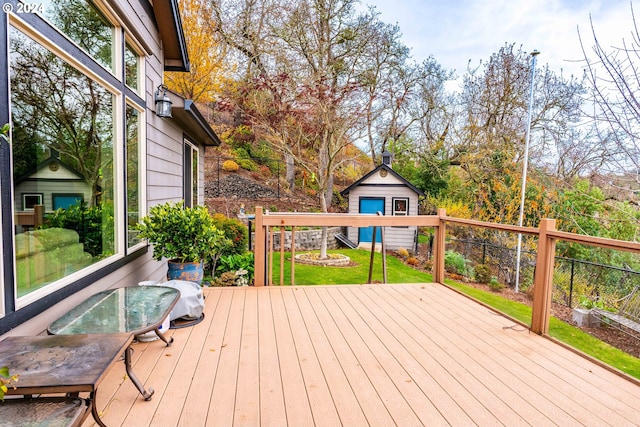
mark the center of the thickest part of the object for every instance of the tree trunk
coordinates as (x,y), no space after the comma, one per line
(291,172)
(323,240)
(328,194)
(323,243)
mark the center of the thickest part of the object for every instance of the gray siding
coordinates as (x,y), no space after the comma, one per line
(395,237)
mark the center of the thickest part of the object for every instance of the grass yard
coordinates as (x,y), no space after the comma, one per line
(305,274)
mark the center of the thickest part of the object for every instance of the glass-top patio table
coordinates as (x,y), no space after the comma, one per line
(134,309)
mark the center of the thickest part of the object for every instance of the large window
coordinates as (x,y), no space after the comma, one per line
(75,146)
(83,22)
(134,174)
(131,67)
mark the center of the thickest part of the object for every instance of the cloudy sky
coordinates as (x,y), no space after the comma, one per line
(456,31)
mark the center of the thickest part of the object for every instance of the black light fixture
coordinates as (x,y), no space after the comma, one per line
(163,103)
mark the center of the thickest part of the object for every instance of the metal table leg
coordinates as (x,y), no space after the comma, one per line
(94,410)
(163,338)
(127,363)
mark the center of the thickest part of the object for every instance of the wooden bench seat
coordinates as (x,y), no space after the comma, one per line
(627,319)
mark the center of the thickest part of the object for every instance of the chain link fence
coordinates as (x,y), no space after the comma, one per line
(574,280)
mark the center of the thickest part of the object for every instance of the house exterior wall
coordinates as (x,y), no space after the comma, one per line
(162,182)
(395,237)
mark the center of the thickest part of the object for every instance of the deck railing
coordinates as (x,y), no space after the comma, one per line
(546,233)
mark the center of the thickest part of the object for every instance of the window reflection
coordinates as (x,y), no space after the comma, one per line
(83,23)
(133,174)
(131,67)
(62,143)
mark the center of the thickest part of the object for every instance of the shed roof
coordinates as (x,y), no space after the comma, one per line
(44,164)
(391,171)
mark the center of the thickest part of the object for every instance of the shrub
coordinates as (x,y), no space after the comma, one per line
(413,261)
(589,303)
(482,273)
(235,262)
(227,278)
(248,164)
(234,230)
(403,253)
(340,202)
(455,263)
(91,223)
(184,234)
(242,136)
(265,171)
(494,285)
(230,166)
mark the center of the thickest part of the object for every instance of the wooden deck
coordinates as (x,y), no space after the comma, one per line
(379,355)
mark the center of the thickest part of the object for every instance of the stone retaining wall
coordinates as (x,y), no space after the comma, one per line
(306,240)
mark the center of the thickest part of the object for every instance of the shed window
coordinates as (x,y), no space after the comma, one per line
(401,206)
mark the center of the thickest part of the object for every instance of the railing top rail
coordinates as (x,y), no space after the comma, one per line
(351,220)
(602,242)
(491,225)
(283,219)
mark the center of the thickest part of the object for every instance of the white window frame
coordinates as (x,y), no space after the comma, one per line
(396,212)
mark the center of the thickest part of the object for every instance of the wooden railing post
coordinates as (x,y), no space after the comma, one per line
(282,237)
(260,250)
(438,249)
(543,278)
(293,256)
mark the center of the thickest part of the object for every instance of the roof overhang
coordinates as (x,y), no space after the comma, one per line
(187,115)
(174,45)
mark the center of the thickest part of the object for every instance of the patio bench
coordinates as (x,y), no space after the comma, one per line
(627,319)
(50,411)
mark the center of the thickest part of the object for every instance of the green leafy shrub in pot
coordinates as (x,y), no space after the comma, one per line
(180,234)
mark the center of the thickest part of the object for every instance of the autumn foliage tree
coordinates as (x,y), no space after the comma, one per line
(208,69)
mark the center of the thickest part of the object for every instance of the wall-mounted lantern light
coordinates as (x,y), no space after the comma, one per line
(163,103)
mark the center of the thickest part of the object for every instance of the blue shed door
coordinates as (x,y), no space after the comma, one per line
(370,206)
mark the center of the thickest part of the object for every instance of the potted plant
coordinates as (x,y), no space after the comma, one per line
(184,236)
(581,314)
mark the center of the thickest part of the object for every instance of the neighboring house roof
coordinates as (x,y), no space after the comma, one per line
(174,45)
(389,170)
(187,115)
(45,164)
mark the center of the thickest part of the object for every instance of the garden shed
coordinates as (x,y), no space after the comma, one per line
(386,191)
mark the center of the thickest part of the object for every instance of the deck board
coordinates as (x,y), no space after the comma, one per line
(416,354)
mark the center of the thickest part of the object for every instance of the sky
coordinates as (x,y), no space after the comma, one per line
(456,31)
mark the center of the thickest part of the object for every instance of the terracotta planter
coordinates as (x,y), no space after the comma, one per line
(189,271)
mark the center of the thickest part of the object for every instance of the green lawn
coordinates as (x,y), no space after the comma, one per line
(398,272)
